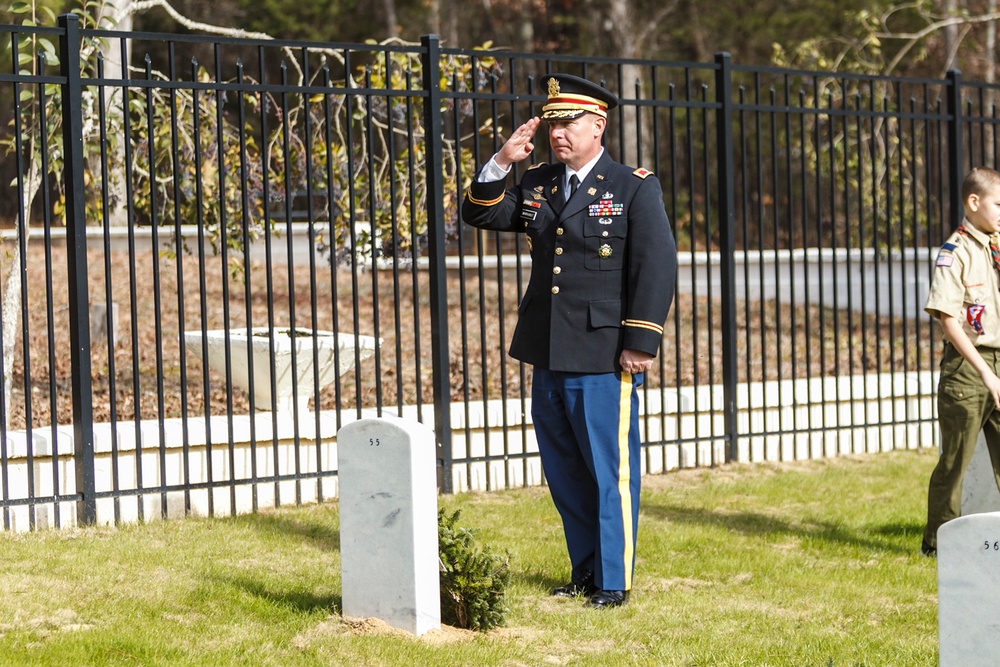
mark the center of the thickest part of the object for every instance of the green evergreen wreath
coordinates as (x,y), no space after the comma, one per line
(473,580)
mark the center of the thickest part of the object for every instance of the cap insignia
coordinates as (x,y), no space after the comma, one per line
(553,87)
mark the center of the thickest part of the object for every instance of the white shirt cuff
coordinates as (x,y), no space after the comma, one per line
(492,172)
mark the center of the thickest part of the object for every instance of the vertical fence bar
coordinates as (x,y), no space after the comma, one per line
(727,246)
(76,250)
(436,250)
(955,146)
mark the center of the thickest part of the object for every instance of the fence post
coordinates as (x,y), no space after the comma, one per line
(955,174)
(727,246)
(76,250)
(437,270)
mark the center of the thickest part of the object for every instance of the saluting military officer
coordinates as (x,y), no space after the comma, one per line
(965,298)
(603,263)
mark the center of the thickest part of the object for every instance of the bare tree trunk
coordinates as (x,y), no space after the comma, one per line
(434,17)
(451,32)
(392,26)
(526,33)
(991,65)
(114,107)
(622,33)
(950,34)
(11,313)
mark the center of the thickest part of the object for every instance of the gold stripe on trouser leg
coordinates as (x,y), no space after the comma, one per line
(624,473)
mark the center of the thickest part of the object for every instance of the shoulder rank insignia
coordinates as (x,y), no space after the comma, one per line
(642,173)
(537,165)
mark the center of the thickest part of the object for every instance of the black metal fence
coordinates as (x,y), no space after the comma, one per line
(304,193)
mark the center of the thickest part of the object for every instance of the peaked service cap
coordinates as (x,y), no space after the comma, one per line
(571,97)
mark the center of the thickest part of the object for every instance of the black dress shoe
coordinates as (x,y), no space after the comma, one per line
(582,586)
(928,550)
(607,599)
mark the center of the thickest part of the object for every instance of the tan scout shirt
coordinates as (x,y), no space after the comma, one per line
(965,285)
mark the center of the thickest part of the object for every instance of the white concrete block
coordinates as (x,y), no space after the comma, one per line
(388,523)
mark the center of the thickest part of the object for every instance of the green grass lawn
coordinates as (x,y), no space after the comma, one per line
(806,564)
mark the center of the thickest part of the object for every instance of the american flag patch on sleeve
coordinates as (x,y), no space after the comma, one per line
(944,260)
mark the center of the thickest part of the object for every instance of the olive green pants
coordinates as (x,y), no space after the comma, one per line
(965,408)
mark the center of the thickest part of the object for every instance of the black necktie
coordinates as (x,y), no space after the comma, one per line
(574,183)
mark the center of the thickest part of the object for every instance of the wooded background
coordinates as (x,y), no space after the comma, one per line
(835,35)
(924,38)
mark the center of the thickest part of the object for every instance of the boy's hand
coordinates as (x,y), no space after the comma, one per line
(992,383)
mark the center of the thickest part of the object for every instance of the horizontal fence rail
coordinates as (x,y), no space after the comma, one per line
(261,242)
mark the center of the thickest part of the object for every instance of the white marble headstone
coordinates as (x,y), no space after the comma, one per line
(388,523)
(968,560)
(979,486)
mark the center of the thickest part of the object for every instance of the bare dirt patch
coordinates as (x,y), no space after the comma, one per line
(340,625)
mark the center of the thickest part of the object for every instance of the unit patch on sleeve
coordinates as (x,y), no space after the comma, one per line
(974,315)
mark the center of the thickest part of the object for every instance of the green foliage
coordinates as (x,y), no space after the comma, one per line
(473,580)
(39,112)
(193,163)
(215,181)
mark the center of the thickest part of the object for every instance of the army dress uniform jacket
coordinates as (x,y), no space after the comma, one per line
(603,264)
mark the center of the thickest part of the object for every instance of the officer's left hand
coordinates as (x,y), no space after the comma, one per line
(634,361)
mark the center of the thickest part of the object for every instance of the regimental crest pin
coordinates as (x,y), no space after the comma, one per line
(591,191)
(555,189)
(604,251)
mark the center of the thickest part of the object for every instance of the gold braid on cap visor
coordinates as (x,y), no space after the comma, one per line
(574,104)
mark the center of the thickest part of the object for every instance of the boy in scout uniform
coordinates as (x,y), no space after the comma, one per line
(603,263)
(965,297)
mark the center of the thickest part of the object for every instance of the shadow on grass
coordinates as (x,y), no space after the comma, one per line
(312,527)
(545,582)
(884,538)
(299,600)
